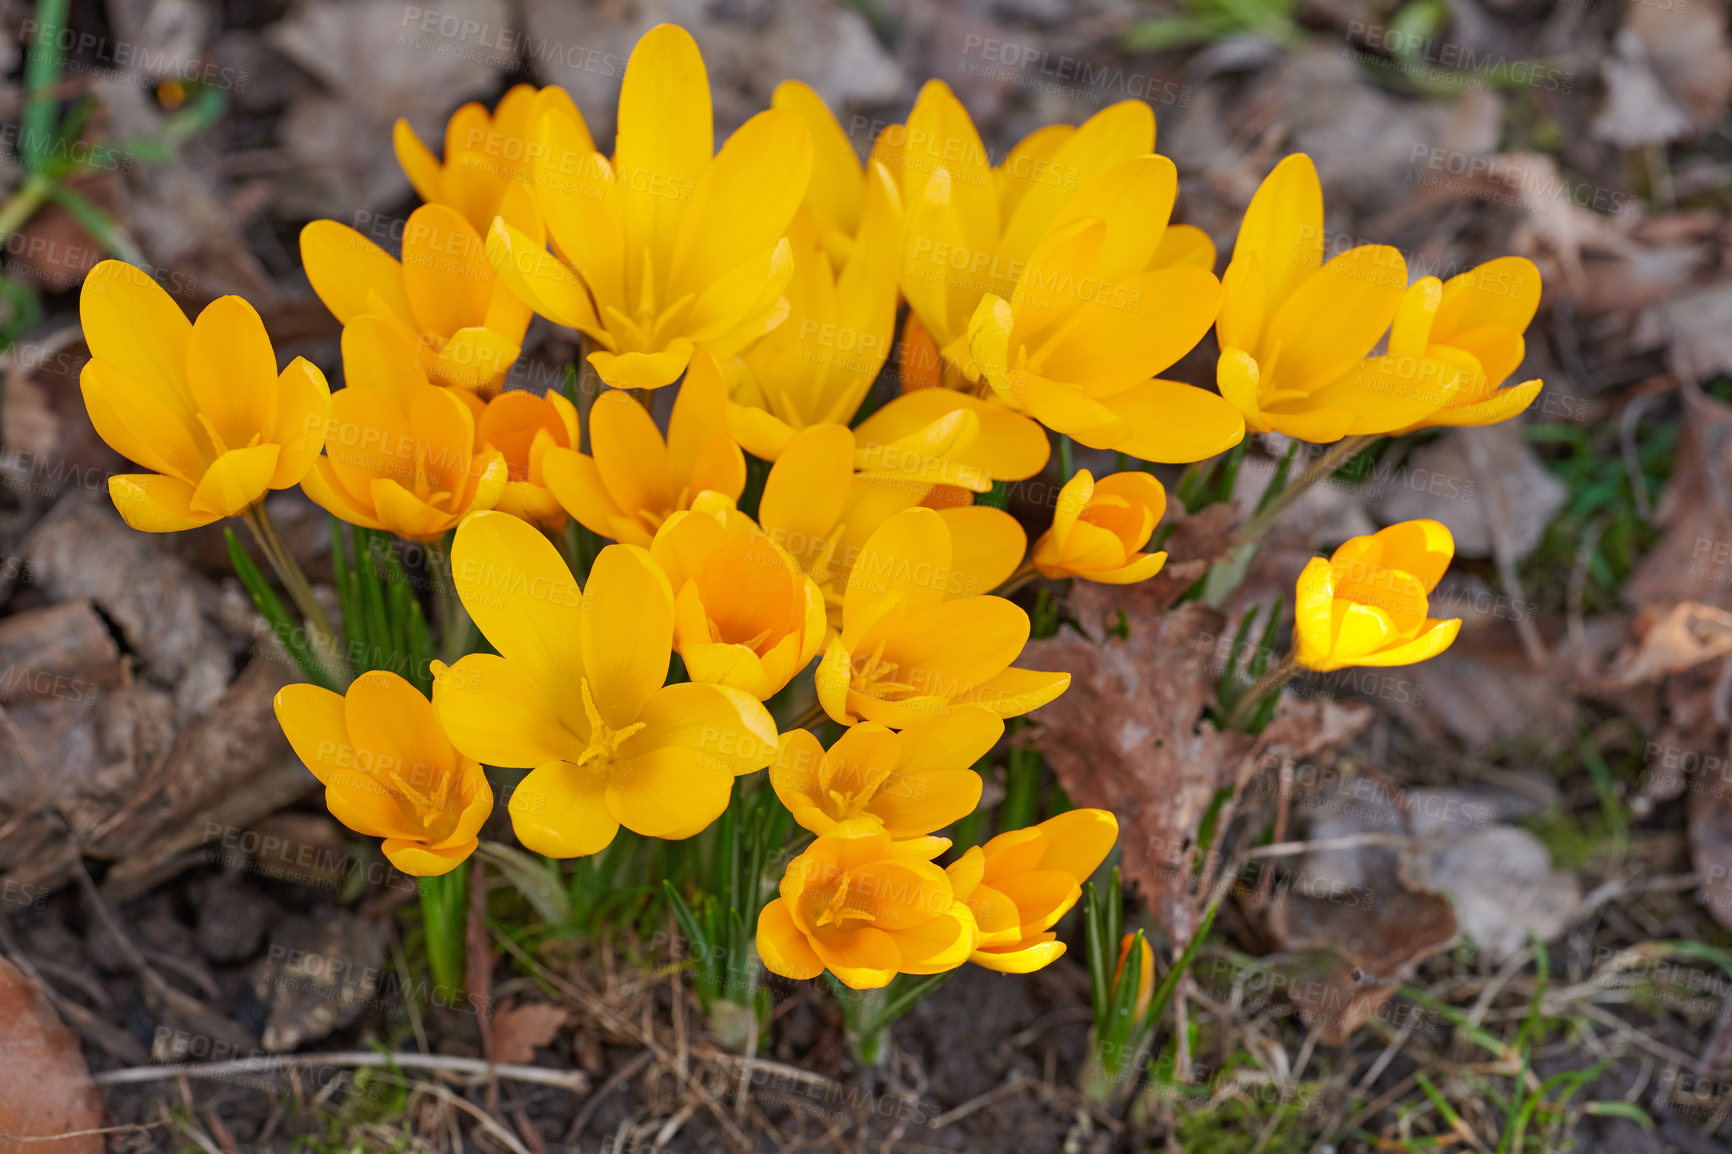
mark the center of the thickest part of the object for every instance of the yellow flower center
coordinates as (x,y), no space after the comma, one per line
(604,742)
(835,910)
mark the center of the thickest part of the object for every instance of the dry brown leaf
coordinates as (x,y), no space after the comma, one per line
(1676,639)
(45,1087)
(1692,561)
(1130,735)
(1711,844)
(1440,481)
(520,1028)
(1483,689)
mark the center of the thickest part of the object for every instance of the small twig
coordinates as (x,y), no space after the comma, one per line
(574,1080)
(975,1105)
(488,1122)
(614,1080)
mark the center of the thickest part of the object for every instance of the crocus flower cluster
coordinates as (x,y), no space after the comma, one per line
(778,537)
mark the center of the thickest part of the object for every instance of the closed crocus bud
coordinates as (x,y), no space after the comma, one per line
(388,769)
(1099,527)
(201,406)
(1368,603)
(1145,973)
(1022,882)
(866,908)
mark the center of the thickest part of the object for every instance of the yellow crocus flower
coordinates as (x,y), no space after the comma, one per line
(201,405)
(1481,314)
(1297,334)
(744,613)
(486,154)
(388,769)
(632,479)
(907,653)
(822,512)
(524,428)
(400,454)
(575,694)
(913,782)
(1098,528)
(671,246)
(1368,604)
(443,296)
(1019,884)
(866,908)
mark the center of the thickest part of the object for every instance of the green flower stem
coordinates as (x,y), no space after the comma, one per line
(445,916)
(454,623)
(869,1014)
(1270,682)
(300,590)
(1325,466)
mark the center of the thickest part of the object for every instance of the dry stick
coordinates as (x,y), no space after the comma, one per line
(488,1122)
(618,1078)
(574,1080)
(974,1105)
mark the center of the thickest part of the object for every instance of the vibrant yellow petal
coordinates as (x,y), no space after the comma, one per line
(783,949)
(626,627)
(132,323)
(1022,961)
(665,138)
(560,809)
(1017,691)
(643,370)
(1113,135)
(836,189)
(494,713)
(1335,316)
(542,281)
(476,359)
(576,483)
(808,488)
(348,271)
(743,201)
(986,547)
(862,959)
(1283,228)
(1173,423)
(670,793)
(908,557)
(421,861)
(303,409)
(1440,635)
(232,371)
(730,730)
(134,422)
(526,603)
(417,160)
(235,481)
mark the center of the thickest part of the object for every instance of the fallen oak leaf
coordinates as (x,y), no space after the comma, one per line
(519,1029)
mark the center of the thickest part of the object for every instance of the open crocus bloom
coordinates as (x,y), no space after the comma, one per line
(443,296)
(911,782)
(906,654)
(399,453)
(575,694)
(200,405)
(672,246)
(945,437)
(816,366)
(523,428)
(1092,319)
(1482,315)
(1297,334)
(1099,526)
(744,614)
(818,509)
(866,908)
(388,769)
(635,480)
(1022,882)
(1368,603)
(486,154)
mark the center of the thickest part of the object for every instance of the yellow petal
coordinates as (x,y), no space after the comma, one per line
(542,281)
(1440,635)
(986,547)
(347,270)
(446,274)
(1174,423)
(643,370)
(836,189)
(132,323)
(1113,135)
(232,371)
(560,809)
(1017,691)
(668,793)
(137,425)
(303,409)
(1335,316)
(495,714)
(783,949)
(744,199)
(526,603)
(808,488)
(908,557)
(1021,961)
(235,481)
(731,731)
(422,861)
(626,627)
(665,138)
(1283,227)
(576,483)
